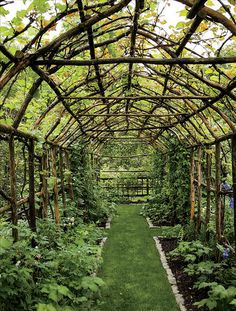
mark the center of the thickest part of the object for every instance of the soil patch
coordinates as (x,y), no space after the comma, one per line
(184,282)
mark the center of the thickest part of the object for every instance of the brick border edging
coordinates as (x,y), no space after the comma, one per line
(178,297)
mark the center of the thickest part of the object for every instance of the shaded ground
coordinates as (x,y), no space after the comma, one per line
(132,269)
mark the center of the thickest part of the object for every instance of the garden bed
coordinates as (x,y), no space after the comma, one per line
(184,282)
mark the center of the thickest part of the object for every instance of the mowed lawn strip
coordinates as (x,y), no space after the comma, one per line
(135,278)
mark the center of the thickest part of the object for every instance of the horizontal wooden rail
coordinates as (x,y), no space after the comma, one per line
(7,129)
(94,115)
(19,203)
(137,60)
(127,157)
(110,130)
(134,171)
(139,97)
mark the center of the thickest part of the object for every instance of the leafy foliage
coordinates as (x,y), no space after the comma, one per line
(170,203)
(55,275)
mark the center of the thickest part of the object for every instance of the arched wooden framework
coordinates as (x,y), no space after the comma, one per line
(114,69)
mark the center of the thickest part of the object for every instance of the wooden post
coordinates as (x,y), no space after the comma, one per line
(234,182)
(192,187)
(70,185)
(217,191)
(12,166)
(55,186)
(199,191)
(32,215)
(208,189)
(45,183)
(39,213)
(62,181)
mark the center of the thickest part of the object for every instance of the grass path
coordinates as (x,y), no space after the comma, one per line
(132,269)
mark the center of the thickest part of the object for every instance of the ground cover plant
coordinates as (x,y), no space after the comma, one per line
(56,274)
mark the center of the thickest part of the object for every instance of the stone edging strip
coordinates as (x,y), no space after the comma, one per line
(108,223)
(102,242)
(179,298)
(150,224)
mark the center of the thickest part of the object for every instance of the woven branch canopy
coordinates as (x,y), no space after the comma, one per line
(103,70)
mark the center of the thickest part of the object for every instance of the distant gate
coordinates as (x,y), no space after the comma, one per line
(128,188)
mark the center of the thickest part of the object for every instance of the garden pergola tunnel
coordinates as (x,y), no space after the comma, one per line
(100,71)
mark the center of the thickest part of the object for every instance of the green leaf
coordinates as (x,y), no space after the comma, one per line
(45,307)
(60,7)
(183,13)
(92,283)
(180,25)
(233,302)
(3,12)
(5,243)
(41,6)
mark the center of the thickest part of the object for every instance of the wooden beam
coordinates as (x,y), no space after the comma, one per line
(5,195)
(32,214)
(192,187)
(130,115)
(131,156)
(55,185)
(234,182)
(132,171)
(62,165)
(217,193)
(218,140)
(198,5)
(45,183)
(7,129)
(125,138)
(199,189)
(137,60)
(208,189)
(125,130)
(69,178)
(12,166)
(139,97)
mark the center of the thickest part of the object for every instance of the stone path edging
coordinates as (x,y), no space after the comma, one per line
(150,224)
(108,223)
(102,242)
(179,298)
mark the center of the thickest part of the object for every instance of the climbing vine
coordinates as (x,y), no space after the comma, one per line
(170,203)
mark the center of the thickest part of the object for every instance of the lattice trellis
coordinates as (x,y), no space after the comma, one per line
(155,84)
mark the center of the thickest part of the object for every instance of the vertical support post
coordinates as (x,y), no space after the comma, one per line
(40,168)
(208,189)
(62,180)
(199,191)
(45,183)
(71,191)
(31,186)
(234,182)
(12,166)
(192,187)
(217,191)
(55,185)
